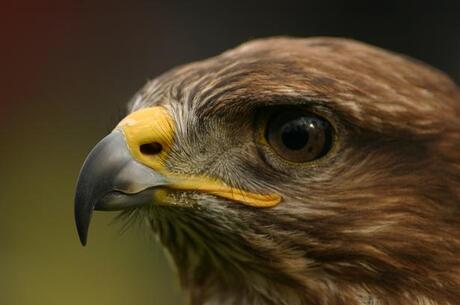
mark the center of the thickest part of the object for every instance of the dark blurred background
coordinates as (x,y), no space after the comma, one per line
(67,69)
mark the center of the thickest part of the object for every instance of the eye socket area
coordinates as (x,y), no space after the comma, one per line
(299,136)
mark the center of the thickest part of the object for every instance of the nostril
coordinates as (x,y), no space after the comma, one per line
(153,148)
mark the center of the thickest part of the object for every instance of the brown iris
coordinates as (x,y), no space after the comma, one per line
(299,136)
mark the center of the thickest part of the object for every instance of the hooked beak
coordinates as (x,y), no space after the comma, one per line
(127,169)
(112,180)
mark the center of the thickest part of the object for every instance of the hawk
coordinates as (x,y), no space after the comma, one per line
(287,171)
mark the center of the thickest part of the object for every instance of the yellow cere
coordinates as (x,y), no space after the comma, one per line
(149,125)
(155,125)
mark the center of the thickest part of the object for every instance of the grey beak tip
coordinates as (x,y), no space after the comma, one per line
(82,240)
(82,220)
(82,235)
(105,182)
(92,181)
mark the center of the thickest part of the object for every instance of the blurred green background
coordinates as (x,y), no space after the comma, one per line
(67,70)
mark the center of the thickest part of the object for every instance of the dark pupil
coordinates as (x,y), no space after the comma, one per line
(294,134)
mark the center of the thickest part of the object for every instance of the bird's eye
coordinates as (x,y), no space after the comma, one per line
(299,137)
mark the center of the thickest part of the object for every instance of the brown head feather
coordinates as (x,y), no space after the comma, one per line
(375,222)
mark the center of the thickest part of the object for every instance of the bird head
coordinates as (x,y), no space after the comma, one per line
(292,171)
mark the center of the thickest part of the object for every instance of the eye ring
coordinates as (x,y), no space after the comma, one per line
(298,136)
